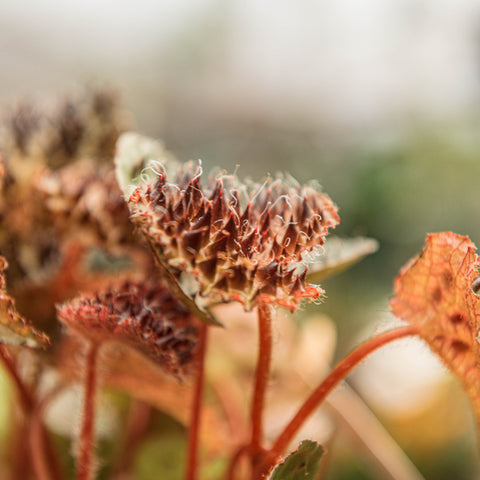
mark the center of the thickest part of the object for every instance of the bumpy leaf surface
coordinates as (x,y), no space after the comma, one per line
(434,292)
(242,241)
(14,330)
(303,463)
(142,314)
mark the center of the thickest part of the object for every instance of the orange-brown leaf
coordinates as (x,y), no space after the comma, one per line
(434,292)
(14,330)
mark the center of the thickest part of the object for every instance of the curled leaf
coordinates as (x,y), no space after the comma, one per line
(241,241)
(14,329)
(302,464)
(434,292)
(144,315)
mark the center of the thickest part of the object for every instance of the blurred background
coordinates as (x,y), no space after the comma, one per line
(378,100)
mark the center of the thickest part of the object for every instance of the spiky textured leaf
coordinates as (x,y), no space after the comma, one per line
(241,241)
(144,315)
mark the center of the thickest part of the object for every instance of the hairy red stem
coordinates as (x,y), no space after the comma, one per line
(196,412)
(42,441)
(87,433)
(262,373)
(339,373)
(39,457)
(19,446)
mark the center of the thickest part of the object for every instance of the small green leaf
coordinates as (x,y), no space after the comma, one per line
(303,463)
(340,254)
(136,160)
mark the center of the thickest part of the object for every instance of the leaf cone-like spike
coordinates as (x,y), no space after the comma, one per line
(249,242)
(270,288)
(237,279)
(245,221)
(158,197)
(219,244)
(265,223)
(217,200)
(208,268)
(305,212)
(193,198)
(179,209)
(193,241)
(289,241)
(203,221)
(231,226)
(266,273)
(287,277)
(277,249)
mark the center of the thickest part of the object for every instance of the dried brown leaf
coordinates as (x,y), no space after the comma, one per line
(434,292)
